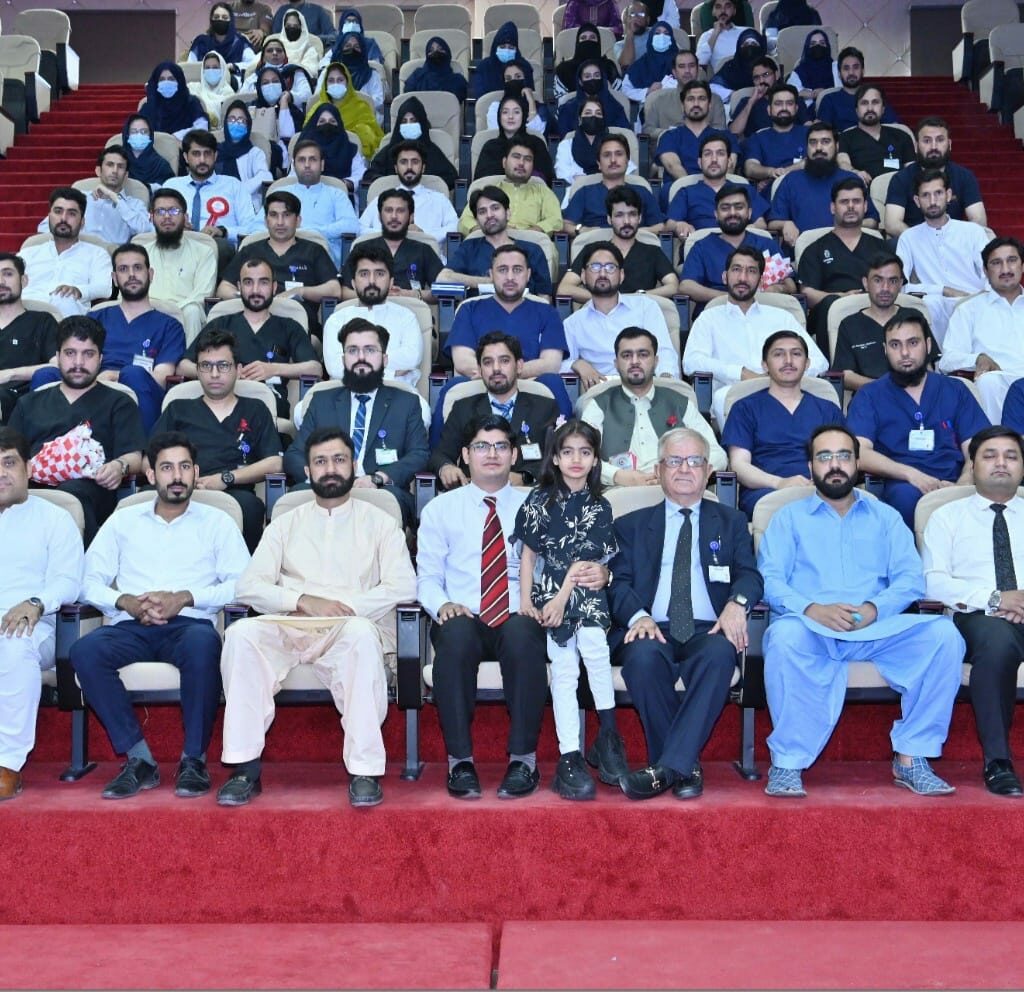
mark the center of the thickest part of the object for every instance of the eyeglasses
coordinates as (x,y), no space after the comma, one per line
(498,447)
(221,367)
(370,351)
(597,267)
(168,211)
(677,461)
(824,457)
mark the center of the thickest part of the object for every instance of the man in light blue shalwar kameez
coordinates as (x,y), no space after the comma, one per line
(839,569)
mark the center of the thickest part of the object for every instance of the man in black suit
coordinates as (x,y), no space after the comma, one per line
(384,422)
(500,357)
(680,613)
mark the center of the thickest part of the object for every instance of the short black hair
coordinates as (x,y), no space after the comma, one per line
(769,342)
(397,193)
(747,252)
(69,193)
(628,333)
(166,193)
(358,325)
(864,88)
(198,137)
(494,193)
(515,247)
(169,439)
(850,52)
(985,434)
(212,338)
(883,258)
(709,139)
(907,317)
(622,194)
(324,434)
(291,202)
(400,147)
(113,150)
(924,176)
(824,429)
(613,138)
(782,88)
(817,126)
(1001,242)
(487,422)
(590,250)
(367,251)
(128,248)
(765,62)
(510,341)
(733,189)
(932,121)
(694,84)
(304,145)
(81,328)
(12,440)
(849,183)
(16,260)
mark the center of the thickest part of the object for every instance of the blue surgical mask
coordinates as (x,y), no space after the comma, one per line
(349,26)
(410,131)
(167,88)
(336,90)
(237,130)
(139,142)
(506,55)
(213,76)
(271,92)
(661,42)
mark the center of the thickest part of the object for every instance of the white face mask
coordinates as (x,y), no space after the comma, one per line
(410,131)
(661,43)
(213,76)
(336,90)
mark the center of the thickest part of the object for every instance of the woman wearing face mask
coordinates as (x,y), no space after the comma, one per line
(515,85)
(738,72)
(337,91)
(588,49)
(413,125)
(273,98)
(364,78)
(214,86)
(511,119)
(296,81)
(169,106)
(342,159)
(815,71)
(237,156)
(298,45)
(504,50)
(144,164)
(221,37)
(348,21)
(577,152)
(788,14)
(436,73)
(590,82)
(647,72)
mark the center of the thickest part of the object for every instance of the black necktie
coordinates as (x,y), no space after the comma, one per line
(1006,577)
(680,607)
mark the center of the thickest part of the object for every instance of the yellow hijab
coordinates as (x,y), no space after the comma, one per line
(356,112)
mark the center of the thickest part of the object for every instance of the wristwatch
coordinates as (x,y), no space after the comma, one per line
(578,228)
(227,477)
(378,480)
(995,600)
(740,600)
(37,603)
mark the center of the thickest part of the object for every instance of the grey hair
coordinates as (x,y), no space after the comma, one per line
(683,434)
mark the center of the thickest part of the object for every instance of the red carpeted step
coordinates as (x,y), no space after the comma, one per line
(254,956)
(726,954)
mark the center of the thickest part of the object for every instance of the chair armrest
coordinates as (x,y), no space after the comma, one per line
(931,607)
(276,484)
(412,652)
(964,374)
(702,383)
(835,376)
(69,629)
(873,484)
(563,304)
(306,383)
(425,489)
(233,612)
(327,307)
(727,489)
(173,380)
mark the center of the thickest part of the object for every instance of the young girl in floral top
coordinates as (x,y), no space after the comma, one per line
(567,523)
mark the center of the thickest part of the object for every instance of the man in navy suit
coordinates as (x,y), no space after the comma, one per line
(680,614)
(384,422)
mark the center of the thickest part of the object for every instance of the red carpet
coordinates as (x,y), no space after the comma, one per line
(730,955)
(269,956)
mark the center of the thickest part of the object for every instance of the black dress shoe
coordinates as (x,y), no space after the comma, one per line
(238,790)
(463,782)
(519,781)
(646,783)
(690,786)
(572,780)
(1001,779)
(608,755)
(365,790)
(135,776)
(192,779)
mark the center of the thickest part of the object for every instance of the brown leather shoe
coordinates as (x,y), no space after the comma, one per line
(10,783)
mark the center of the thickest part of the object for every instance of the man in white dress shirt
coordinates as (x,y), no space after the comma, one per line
(327,576)
(327,209)
(68,273)
(435,214)
(727,340)
(986,333)
(941,256)
(590,332)
(160,571)
(973,554)
(42,570)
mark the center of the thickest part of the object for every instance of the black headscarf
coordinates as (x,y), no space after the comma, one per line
(338,150)
(792,13)
(488,163)
(585,51)
(584,151)
(738,72)
(436,164)
(816,74)
(569,112)
(437,76)
(229,152)
(232,46)
(147,166)
(490,72)
(174,113)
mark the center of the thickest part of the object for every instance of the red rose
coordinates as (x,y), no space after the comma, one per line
(672,420)
(243,424)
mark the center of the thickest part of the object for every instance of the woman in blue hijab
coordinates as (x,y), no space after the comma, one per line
(591,82)
(222,38)
(351,20)
(437,73)
(815,71)
(504,49)
(169,106)
(654,65)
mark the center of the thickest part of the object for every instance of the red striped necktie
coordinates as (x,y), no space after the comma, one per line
(493,569)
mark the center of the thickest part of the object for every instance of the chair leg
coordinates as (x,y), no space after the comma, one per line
(413,766)
(80,763)
(745,766)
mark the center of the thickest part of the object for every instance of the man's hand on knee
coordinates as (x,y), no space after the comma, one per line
(450,610)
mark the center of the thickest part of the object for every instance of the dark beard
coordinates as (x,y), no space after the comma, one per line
(169,239)
(933,163)
(835,490)
(904,380)
(365,383)
(133,295)
(820,168)
(333,489)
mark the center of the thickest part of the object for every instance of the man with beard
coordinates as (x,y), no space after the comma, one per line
(633,418)
(269,348)
(28,338)
(693,207)
(160,572)
(914,425)
(65,272)
(500,358)
(470,263)
(860,345)
(802,201)
(778,149)
(327,577)
(985,331)
(839,107)
(434,212)
(662,109)
(934,147)
(754,113)
(80,398)
(645,269)
(385,423)
(943,257)
(373,274)
(702,277)
(872,148)
(235,436)
(587,209)
(325,208)
(766,432)
(590,330)
(727,340)
(678,149)
(414,262)
(824,617)
(184,269)
(835,264)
